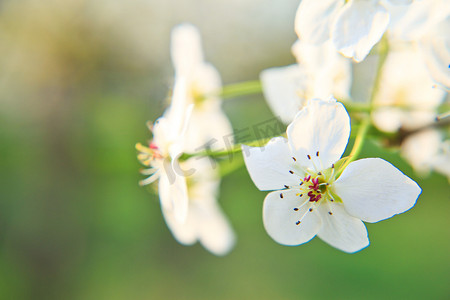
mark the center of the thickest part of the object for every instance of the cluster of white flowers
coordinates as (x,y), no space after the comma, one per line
(314,190)
(414,80)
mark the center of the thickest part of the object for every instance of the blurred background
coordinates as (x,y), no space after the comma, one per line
(78,81)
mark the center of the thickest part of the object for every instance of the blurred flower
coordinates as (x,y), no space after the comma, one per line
(441,162)
(320,72)
(163,153)
(411,101)
(188,189)
(354,26)
(426,23)
(208,123)
(435,48)
(205,221)
(308,199)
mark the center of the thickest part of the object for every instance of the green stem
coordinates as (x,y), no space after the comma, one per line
(365,107)
(384,49)
(238,89)
(223,153)
(357,146)
(366,121)
(253,87)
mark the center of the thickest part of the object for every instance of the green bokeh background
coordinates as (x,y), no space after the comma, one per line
(74,224)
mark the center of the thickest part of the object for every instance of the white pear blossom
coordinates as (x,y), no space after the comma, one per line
(410,99)
(412,22)
(209,123)
(308,199)
(427,24)
(320,72)
(435,47)
(284,89)
(162,155)
(188,190)
(354,26)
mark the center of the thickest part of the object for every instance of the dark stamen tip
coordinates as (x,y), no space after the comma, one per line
(296,209)
(281,195)
(286,186)
(332,166)
(294,158)
(290,171)
(330,213)
(297,223)
(320,173)
(310,209)
(309,157)
(317,153)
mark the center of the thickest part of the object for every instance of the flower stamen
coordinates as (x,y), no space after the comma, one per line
(304,214)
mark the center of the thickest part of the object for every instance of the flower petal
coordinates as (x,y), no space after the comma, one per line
(358,27)
(329,73)
(373,190)
(173,192)
(186,49)
(208,128)
(205,222)
(412,22)
(184,232)
(313,19)
(206,80)
(341,230)
(436,52)
(283,88)
(388,119)
(175,118)
(321,130)
(215,232)
(269,166)
(280,218)
(405,80)
(421,148)
(212,226)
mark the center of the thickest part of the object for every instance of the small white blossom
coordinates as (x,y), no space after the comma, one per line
(161,156)
(427,24)
(319,73)
(208,122)
(435,46)
(411,99)
(188,190)
(308,199)
(354,26)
